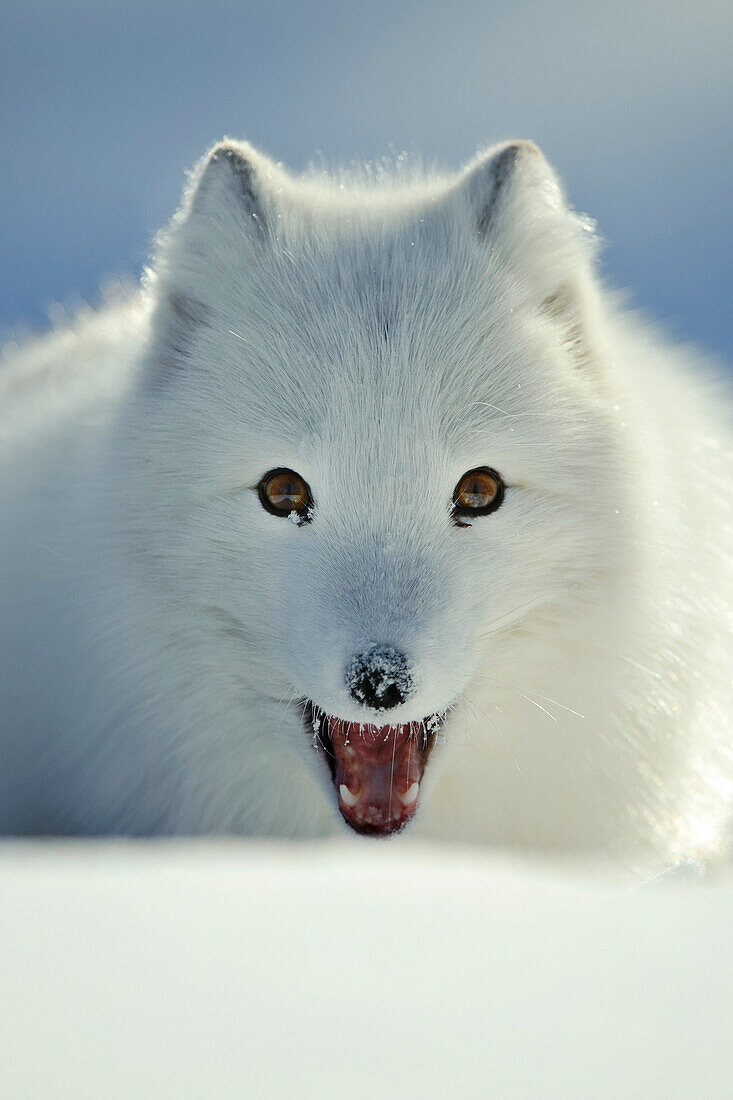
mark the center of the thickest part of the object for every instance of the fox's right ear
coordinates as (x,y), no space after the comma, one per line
(226,185)
(225,219)
(229,202)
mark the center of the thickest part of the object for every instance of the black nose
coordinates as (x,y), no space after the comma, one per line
(380,678)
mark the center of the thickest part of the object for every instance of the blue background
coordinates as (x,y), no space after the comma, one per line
(105,103)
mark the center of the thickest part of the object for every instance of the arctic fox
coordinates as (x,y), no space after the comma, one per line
(371,509)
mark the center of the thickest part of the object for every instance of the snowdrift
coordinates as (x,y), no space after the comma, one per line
(187,970)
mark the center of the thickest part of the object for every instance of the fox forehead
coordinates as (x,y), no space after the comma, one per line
(417,310)
(377,326)
(361,296)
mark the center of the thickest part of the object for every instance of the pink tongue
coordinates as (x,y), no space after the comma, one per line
(378,765)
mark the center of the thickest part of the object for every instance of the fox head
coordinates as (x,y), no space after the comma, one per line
(371,452)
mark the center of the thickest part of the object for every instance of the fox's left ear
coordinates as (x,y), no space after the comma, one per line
(516,206)
(499,181)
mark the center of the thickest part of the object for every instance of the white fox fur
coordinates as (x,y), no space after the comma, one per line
(380,338)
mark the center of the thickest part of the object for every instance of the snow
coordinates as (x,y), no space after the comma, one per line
(243,969)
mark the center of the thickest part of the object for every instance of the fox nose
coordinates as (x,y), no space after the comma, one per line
(381,678)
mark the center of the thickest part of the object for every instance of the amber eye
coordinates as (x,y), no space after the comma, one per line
(283,492)
(478,493)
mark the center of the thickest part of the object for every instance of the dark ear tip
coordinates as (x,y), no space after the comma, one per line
(241,173)
(525,148)
(494,174)
(226,150)
(231,154)
(505,160)
(221,149)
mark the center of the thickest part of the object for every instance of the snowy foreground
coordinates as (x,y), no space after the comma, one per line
(249,970)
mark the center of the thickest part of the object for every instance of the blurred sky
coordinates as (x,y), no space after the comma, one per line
(106,102)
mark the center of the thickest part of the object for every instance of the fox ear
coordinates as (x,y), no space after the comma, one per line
(223,221)
(227,204)
(517,207)
(227,184)
(499,179)
(518,211)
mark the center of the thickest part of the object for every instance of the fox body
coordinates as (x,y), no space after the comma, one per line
(183,652)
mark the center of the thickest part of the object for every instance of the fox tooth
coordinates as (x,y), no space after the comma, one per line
(347,797)
(410,794)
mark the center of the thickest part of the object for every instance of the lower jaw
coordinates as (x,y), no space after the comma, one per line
(376,770)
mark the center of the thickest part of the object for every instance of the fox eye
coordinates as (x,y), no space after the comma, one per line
(478,493)
(283,492)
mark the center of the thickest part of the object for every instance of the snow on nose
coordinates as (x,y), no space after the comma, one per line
(381,678)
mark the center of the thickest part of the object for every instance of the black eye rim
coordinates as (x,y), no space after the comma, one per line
(458,510)
(304,513)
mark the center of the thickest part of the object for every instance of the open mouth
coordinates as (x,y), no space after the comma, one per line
(376,770)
